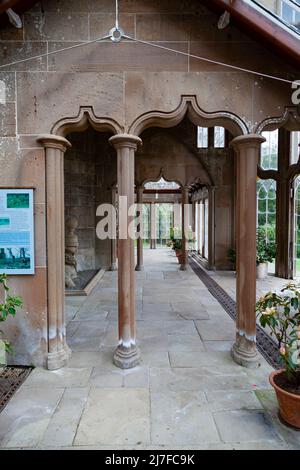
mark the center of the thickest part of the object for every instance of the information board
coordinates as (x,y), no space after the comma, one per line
(16,231)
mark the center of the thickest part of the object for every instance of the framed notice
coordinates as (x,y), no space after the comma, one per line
(16,231)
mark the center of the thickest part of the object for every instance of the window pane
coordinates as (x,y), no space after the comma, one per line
(287,13)
(202,137)
(266,207)
(297,228)
(219,137)
(206,229)
(269,150)
(295,141)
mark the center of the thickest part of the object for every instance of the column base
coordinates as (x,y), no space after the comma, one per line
(183,267)
(139,267)
(113,267)
(58,359)
(244,352)
(127,358)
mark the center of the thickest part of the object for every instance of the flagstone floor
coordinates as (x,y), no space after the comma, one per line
(186,394)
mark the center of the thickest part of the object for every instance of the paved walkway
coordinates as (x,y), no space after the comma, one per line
(187,393)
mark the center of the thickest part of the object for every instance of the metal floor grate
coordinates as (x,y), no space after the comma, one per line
(265,345)
(10,380)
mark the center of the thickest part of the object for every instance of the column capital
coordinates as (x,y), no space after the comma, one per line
(247,141)
(54,141)
(125,141)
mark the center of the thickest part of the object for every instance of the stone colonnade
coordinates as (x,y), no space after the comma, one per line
(127,355)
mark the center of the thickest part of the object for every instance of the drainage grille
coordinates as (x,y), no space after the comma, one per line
(266,345)
(10,380)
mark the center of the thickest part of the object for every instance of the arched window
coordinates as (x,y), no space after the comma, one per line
(266,207)
(146,223)
(297,225)
(269,150)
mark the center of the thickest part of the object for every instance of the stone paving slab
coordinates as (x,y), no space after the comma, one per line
(244,425)
(26,417)
(124,418)
(181,418)
(66,377)
(62,427)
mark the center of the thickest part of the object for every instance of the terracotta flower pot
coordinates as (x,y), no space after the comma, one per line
(289,403)
(180,256)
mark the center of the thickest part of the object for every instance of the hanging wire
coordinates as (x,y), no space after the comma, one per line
(46,54)
(117,15)
(211,61)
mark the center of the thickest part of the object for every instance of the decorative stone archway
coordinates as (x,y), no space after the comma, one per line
(55,144)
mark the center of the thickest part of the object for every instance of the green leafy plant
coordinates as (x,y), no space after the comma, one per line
(8,307)
(265,251)
(280,313)
(232,255)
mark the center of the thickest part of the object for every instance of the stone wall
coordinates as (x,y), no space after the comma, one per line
(89,173)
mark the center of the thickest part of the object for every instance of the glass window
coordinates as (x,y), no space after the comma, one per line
(202,138)
(269,150)
(219,137)
(297,227)
(206,228)
(295,149)
(162,184)
(287,13)
(266,207)
(146,223)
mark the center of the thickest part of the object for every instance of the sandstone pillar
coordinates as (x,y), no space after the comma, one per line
(211,227)
(113,246)
(127,354)
(199,247)
(153,225)
(185,226)
(247,149)
(140,257)
(58,350)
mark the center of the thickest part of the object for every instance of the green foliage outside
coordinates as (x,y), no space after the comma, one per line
(8,307)
(265,251)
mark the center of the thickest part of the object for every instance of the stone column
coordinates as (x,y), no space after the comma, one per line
(113,245)
(194,210)
(203,228)
(247,149)
(211,227)
(140,257)
(184,226)
(127,354)
(153,225)
(199,228)
(58,350)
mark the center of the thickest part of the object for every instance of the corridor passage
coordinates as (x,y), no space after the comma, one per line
(187,392)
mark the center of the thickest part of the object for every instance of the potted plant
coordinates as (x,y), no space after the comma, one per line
(231,254)
(280,313)
(8,307)
(265,252)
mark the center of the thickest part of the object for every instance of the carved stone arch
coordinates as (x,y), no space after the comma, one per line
(290,119)
(85,118)
(156,179)
(189,106)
